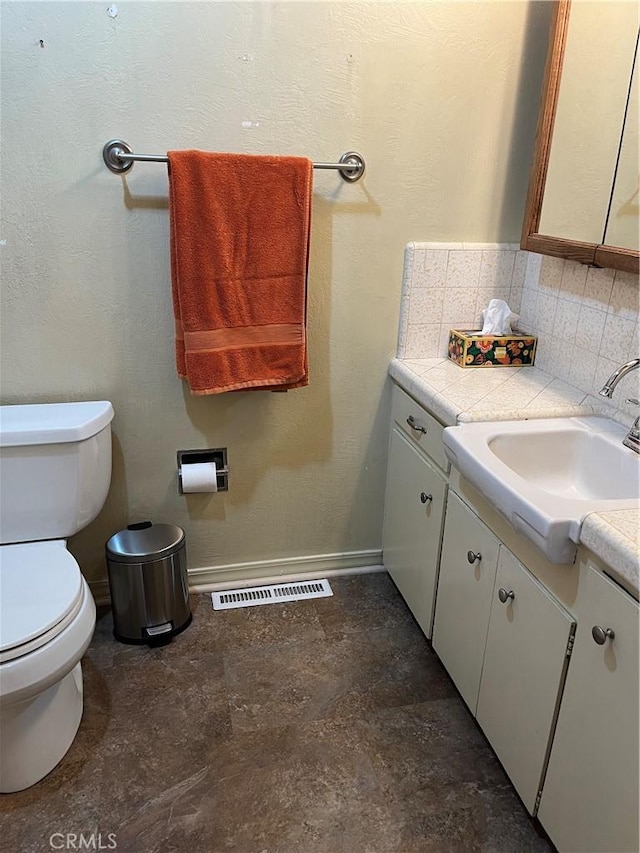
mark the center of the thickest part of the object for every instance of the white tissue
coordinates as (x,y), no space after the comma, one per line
(498,318)
(199,477)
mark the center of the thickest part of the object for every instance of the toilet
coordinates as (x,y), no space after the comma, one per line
(55,470)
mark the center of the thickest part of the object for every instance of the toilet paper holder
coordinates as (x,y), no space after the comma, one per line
(217,455)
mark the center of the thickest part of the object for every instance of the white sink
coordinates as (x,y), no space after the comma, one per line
(545,476)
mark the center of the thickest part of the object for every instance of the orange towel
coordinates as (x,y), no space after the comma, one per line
(239,254)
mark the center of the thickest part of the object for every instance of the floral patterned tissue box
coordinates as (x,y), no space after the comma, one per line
(468,348)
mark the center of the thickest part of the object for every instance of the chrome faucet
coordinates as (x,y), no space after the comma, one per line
(616,376)
(632,439)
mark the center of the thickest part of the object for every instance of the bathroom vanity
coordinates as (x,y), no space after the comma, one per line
(544,655)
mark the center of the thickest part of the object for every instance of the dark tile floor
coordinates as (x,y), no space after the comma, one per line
(324,726)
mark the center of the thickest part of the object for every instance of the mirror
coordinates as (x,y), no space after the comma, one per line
(583,194)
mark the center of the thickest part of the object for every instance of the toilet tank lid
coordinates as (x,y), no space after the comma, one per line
(52,423)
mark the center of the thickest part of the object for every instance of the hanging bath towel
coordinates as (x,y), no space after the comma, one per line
(239,257)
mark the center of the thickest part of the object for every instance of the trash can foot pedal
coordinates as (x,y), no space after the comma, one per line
(154,630)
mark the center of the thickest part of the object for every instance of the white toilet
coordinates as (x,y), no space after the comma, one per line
(55,470)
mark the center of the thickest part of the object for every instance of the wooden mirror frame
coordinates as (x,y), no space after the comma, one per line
(596,254)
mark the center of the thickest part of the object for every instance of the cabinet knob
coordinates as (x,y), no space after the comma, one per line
(471,557)
(413,423)
(504,596)
(424,497)
(600,634)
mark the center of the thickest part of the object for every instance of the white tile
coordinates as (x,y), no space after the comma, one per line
(561,391)
(402,328)
(443,339)
(422,341)
(515,299)
(597,291)
(566,321)
(421,365)
(459,306)
(624,296)
(463,397)
(528,308)
(407,270)
(496,269)
(574,279)
(417,274)
(617,338)
(551,273)
(489,379)
(510,395)
(546,306)
(546,352)
(590,327)
(443,375)
(537,379)
(441,247)
(634,344)
(583,368)
(426,305)
(519,269)
(463,270)
(435,268)
(532,274)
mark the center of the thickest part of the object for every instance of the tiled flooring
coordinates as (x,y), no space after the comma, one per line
(324,726)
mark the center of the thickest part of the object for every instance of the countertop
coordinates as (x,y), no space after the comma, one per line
(455,395)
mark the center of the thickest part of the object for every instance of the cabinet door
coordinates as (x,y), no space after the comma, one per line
(414,509)
(590,795)
(464,597)
(524,667)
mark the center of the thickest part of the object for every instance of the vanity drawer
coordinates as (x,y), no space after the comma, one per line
(426,431)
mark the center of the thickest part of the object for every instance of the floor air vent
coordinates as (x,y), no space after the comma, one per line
(254,595)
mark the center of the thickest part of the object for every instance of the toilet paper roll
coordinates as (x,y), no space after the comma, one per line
(199,477)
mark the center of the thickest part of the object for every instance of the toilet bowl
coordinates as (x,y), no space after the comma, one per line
(55,469)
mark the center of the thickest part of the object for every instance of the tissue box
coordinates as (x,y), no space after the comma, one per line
(469,348)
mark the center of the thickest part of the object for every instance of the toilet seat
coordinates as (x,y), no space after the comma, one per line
(42,592)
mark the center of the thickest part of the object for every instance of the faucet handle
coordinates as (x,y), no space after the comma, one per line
(633,400)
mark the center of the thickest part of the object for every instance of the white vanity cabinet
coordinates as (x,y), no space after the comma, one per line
(415,499)
(590,795)
(504,641)
(525,661)
(558,704)
(465,590)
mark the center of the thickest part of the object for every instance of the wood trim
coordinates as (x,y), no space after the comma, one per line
(612,257)
(572,250)
(546,119)
(616,258)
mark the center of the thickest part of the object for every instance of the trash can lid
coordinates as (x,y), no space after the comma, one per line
(145,541)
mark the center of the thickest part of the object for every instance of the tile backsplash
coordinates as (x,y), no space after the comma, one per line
(586,318)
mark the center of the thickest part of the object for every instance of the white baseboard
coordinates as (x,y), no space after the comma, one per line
(234,575)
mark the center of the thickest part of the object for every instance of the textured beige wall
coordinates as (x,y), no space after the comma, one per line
(441,98)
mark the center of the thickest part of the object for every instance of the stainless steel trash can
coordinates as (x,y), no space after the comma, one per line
(148,581)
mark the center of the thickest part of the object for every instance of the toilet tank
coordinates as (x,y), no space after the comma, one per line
(55,468)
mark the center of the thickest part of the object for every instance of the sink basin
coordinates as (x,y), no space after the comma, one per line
(545,476)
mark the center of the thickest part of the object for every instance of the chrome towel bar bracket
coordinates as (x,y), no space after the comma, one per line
(118,156)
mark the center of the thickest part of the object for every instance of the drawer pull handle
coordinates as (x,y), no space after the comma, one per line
(504,596)
(472,557)
(424,497)
(600,634)
(413,423)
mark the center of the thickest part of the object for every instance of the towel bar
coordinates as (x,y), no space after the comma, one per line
(118,156)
